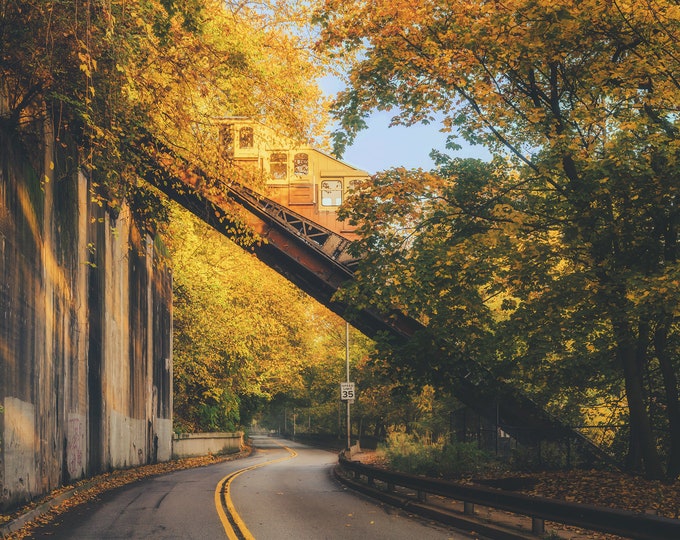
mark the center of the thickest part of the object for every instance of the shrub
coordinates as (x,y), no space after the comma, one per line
(407,453)
(463,459)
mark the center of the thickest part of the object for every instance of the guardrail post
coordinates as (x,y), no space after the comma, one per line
(422,496)
(370,480)
(357,475)
(468,508)
(537,525)
(390,487)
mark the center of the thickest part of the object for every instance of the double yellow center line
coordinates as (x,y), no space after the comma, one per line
(233,524)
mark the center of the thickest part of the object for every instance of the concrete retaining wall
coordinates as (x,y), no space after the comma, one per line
(85,327)
(202,444)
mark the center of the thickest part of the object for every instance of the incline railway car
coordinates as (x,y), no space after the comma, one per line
(304,179)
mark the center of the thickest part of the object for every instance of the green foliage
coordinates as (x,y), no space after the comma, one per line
(550,456)
(407,453)
(149,208)
(221,414)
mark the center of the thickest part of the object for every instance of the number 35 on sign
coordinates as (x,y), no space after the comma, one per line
(347,391)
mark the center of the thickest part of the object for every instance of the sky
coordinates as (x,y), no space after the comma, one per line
(381,147)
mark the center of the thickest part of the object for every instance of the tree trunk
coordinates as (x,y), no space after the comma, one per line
(642,438)
(380,430)
(670,382)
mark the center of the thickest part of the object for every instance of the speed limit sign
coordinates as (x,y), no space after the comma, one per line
(347,391)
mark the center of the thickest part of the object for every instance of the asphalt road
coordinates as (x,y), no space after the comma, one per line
(284,490)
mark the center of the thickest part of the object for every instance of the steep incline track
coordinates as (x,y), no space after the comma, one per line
(317,260)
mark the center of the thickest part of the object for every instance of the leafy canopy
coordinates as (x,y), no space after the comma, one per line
(576,228)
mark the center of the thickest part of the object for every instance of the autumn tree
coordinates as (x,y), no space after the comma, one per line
(247,343)
(581,99)
(105,73)
(240,330)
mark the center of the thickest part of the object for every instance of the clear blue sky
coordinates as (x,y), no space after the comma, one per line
(382,147)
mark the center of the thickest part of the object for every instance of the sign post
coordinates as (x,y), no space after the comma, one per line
(349,425)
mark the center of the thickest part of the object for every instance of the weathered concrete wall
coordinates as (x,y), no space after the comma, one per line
(202,444)
(85,328)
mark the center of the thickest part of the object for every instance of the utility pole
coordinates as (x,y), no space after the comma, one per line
(349,426)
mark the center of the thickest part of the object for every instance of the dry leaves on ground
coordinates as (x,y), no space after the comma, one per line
(88,489)
(610,489)
(598,488)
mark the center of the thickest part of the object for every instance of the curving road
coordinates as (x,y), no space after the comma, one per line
(284,490)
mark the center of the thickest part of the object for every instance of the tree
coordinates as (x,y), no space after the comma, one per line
(247,343)
(104,75)
(106,72)
(239,337)
(582,97)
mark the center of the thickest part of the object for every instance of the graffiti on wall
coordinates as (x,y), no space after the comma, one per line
(75,447)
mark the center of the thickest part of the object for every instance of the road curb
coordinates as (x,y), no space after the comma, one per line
(49,503)
(22,520)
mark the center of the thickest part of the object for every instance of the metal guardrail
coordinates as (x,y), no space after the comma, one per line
(607,520)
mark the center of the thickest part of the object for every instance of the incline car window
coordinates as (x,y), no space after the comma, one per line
(278,165)
(301,164)
(246,137)
(331,193)
(227,140)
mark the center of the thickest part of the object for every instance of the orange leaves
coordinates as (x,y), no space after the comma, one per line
(531,71)
(613,490)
